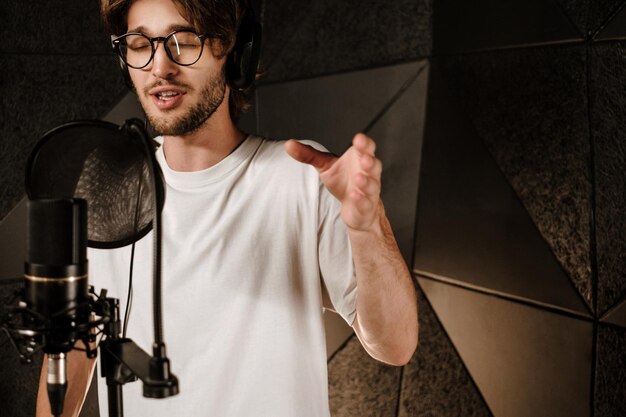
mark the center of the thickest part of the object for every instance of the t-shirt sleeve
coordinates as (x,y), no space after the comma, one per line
(335,256)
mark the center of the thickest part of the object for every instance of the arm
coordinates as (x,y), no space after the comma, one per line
(79,372)
(386,319)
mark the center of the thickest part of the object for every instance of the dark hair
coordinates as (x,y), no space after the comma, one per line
(217,19)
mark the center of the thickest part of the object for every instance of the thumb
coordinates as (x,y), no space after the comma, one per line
(309,155)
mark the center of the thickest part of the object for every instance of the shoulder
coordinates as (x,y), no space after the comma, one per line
(274,150)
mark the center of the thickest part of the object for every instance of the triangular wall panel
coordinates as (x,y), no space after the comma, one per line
(471,225)
(435,381)
(463,26)
(615,29)
(534,120)
(526,361)
(617,315)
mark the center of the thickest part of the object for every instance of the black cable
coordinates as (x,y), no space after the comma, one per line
(129,296)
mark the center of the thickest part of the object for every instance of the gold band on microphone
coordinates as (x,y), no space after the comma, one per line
(50,279)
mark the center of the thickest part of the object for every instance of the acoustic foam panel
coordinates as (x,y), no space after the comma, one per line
(617,315)
(530,107)
(526,361)
(326,37)
(471,226)
(615,28)
(435,382)
(491,24)
(361,386)
(607,100)
(610,378)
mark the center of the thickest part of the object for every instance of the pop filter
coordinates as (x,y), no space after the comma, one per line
(104,164)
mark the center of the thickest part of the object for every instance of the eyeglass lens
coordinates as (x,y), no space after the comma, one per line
(183,47)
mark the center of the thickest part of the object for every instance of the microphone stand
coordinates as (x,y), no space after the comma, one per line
(121,359)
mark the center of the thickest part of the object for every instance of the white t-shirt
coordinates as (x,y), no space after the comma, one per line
(245,246)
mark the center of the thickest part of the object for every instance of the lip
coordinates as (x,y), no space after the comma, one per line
(172,101)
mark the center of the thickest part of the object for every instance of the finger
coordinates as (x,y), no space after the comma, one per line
(373,166)
(367,185)
(364,143)
(309,155)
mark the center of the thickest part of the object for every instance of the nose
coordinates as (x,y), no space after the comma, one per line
(162,66)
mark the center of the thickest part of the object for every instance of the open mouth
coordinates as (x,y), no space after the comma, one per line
(167,95)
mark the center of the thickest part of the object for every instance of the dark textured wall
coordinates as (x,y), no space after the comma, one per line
(534,89)
(520,233)
(517,238)
(58,67)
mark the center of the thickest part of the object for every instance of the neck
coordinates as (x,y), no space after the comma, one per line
(205,147)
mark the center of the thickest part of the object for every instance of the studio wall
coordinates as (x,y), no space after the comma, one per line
(500,128)
(58,67)
(518,245)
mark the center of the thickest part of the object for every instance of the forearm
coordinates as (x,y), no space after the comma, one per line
(386,320)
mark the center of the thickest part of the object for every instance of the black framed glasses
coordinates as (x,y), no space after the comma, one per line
(184,47)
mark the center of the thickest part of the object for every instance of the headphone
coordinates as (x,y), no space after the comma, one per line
(241,63)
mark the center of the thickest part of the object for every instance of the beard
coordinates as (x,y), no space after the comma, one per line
(211,97)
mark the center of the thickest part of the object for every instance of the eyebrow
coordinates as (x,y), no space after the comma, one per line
(170,29)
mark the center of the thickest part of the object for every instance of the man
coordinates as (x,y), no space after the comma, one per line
(253,229)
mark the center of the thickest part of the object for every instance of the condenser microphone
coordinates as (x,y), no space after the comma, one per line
(56,285)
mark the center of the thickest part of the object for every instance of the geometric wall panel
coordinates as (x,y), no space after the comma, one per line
(356,34)
(589,15)
(600,12)
(617,315)
(607,102)
(526,361)
(614,29)
(577,11)
(488,24)
(361,386)
(471,224)
(529,106)
(332,109)
(435,381)
(610,389)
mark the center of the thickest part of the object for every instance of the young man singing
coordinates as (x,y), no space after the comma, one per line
(253,230)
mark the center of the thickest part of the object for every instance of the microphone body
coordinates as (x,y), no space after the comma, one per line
(56,285)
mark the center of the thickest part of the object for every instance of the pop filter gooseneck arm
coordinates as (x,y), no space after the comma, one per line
(133,126)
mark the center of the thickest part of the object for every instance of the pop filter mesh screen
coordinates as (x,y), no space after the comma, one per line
(103,164)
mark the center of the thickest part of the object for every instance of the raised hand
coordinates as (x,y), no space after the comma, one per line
(353,178)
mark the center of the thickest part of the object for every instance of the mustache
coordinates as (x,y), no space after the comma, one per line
(162,83)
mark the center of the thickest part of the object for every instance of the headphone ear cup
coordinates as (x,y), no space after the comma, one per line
(242,62)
